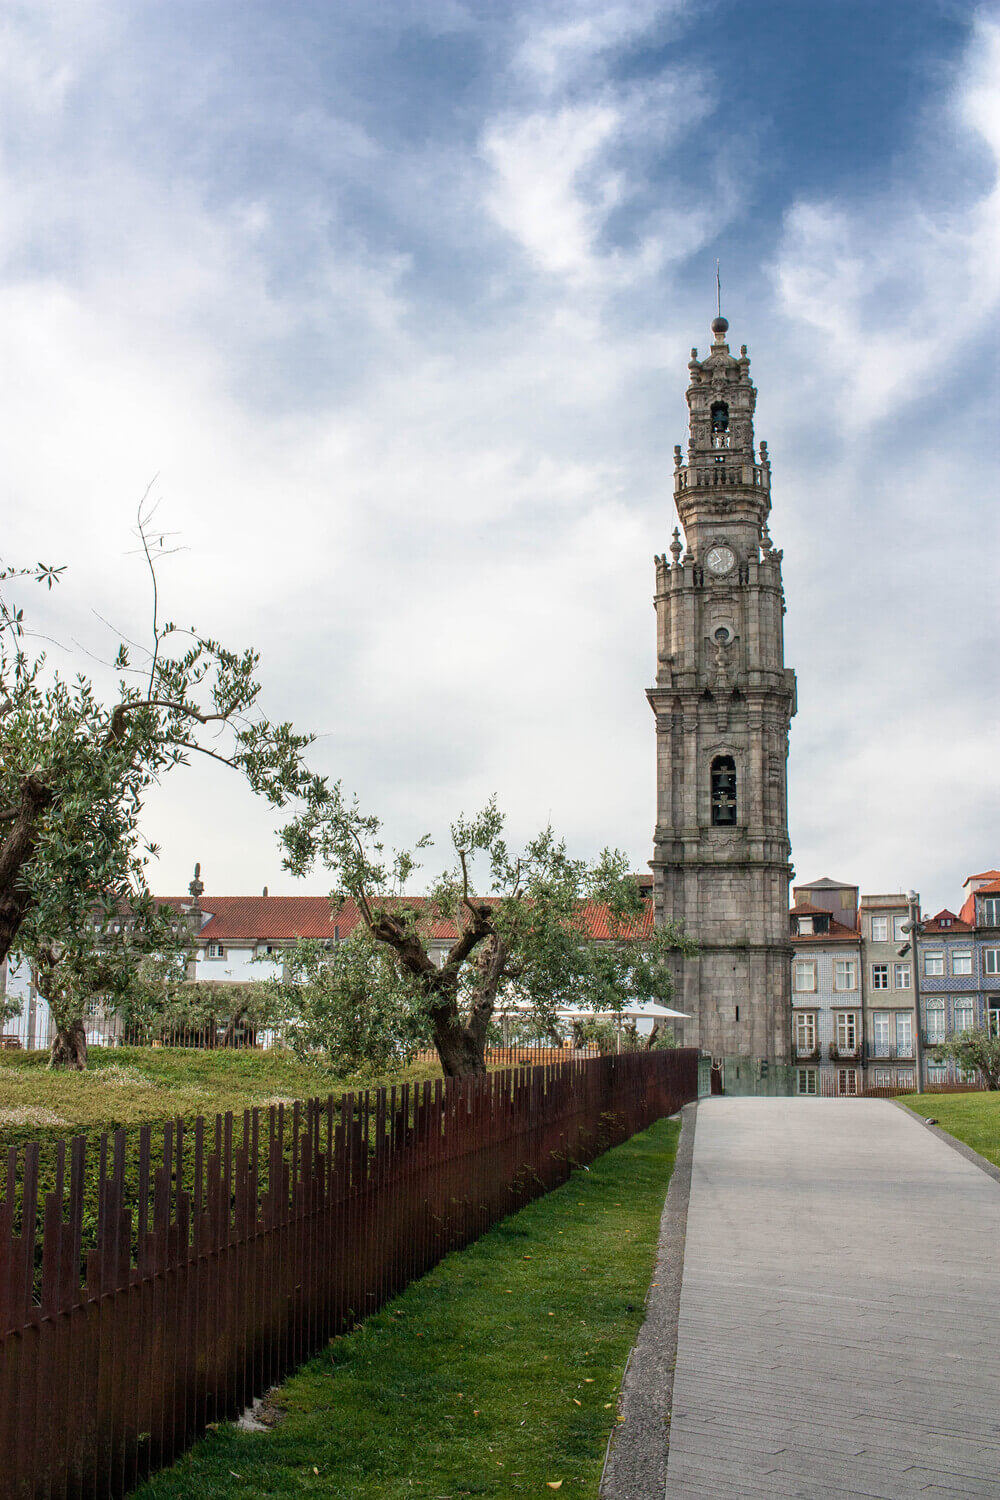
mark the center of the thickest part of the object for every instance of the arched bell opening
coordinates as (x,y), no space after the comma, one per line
(723,792)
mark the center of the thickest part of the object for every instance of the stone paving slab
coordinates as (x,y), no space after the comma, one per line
(839,1324)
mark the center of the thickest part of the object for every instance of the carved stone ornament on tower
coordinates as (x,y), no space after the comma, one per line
(723,701)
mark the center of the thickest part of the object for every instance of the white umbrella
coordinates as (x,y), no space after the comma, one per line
(653,1011)
(660,1011)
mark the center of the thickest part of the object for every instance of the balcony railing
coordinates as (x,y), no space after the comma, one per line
(840,1054)
(810,1055)
(892,1051)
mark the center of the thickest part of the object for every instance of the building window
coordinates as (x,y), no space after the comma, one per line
(904,1033)
(904,1079)
(963,1015)
(901,976)
(847,1030)
(880,1033)
(898,934)
(805,926)
(805,1032)
(882,1078)
(991,960)
(934,963)
(937,1071)
(880,929)
(880,976)
(993,1017)
(845,974)
(991,911)
(936,1021)
(215,950)
(804,976)
(805,1082)
(961,963)
(723,791)
(847,1081)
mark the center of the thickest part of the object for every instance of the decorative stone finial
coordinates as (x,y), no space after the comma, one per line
(677,455)
(720,327)
(765,541)
(197,885)
(675,546)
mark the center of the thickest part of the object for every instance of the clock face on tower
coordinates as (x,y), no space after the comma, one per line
(719,560)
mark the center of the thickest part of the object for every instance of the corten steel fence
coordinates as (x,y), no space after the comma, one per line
(296,1224)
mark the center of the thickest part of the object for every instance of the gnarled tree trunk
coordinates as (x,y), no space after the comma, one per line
(16,851)
(69,1047)
(462,1054)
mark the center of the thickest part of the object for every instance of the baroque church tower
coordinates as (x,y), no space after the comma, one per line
(723,701)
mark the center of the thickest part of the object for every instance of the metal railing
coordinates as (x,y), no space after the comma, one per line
(240,1248)
(890,1051)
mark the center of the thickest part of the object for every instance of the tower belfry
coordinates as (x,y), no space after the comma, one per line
(723,701)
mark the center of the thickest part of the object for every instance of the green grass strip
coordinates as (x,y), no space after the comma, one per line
(497,1374)
(973,1118)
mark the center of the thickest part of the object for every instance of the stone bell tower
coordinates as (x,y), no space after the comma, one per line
(723,701)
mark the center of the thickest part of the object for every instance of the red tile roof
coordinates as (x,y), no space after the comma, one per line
(838,932)
(990,888)
(946,921)
(245,920)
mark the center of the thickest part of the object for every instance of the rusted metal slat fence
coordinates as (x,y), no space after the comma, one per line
(251,1244)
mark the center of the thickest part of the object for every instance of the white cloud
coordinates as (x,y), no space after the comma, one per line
(561,173)
(881,394)
(564,41)
(897,285)
(435,510)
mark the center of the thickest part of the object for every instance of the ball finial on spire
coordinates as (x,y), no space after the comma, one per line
(720,326)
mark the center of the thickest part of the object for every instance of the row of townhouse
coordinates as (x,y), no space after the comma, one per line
(870,995)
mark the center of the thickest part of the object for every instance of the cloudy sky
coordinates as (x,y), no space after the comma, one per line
(396,300)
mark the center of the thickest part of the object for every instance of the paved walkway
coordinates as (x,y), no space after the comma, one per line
(839,1326)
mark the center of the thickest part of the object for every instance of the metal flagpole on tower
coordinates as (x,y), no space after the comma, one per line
(718,288)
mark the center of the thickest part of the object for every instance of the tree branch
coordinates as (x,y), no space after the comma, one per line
(116,730)
(481,927)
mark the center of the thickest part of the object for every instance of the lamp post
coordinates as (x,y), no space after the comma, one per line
(913,928)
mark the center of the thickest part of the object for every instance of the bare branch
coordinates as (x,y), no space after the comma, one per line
(203,750)
(141,526)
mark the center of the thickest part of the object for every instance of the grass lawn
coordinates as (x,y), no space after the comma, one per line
(126,1087)
(495,1375)
(130,1086)
(972,1118)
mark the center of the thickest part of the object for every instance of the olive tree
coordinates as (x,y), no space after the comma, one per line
(106,962)
(975,1051)
(522,922)
(76,764)
(348,1003)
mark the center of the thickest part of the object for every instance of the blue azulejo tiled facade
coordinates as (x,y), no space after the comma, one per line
(959,956)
